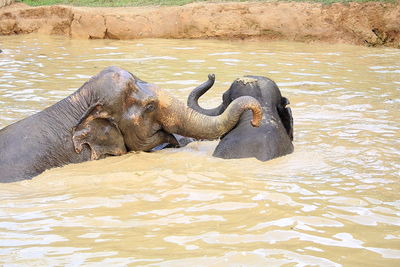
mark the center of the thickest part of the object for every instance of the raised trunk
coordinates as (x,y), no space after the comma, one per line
(175,117)
(193,98)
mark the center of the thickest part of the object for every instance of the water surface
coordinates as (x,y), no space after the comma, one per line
(334,201)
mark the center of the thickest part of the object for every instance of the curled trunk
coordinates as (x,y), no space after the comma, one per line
(193,98)
(178,118)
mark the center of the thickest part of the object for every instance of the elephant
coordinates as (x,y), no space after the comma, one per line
(275,135)
(113,113)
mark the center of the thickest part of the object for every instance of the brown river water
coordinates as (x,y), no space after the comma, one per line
(334,202)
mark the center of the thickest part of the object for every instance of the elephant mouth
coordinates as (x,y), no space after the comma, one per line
(171,141)
(165,137)
(151,141)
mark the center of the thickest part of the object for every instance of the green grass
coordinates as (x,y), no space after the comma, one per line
(116,3)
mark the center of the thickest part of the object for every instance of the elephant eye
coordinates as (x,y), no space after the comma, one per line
(150,107)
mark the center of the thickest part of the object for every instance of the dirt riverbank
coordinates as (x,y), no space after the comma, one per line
(372,24)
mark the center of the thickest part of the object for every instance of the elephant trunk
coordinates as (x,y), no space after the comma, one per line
(180,119)
(193,98)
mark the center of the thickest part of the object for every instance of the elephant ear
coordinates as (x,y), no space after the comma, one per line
(98,130)
(285,113)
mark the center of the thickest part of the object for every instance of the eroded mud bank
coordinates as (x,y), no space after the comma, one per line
(373,24)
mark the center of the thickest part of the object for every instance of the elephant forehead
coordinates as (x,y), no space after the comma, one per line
(122,78)
(144,89)
(116,70)
(246,80)
(114,74)
(110,81)
(140,97)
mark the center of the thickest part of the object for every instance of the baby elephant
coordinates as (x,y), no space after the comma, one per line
(275,135)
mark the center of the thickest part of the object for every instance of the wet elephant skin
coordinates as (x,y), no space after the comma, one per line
(275,135)
(111,114)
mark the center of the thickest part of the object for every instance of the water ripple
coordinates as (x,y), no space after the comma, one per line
(337,193)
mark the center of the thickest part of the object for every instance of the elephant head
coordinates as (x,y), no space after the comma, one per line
(129,114)
(261,88)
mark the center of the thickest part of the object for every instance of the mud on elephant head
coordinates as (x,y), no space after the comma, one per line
(111,114)
(146,116)
(272,139)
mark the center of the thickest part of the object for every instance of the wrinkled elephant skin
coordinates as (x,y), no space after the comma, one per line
(113,113)
(272,139)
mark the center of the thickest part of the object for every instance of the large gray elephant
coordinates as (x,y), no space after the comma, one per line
(111,114)
(275,135)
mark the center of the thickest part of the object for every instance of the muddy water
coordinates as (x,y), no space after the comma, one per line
(334,201)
